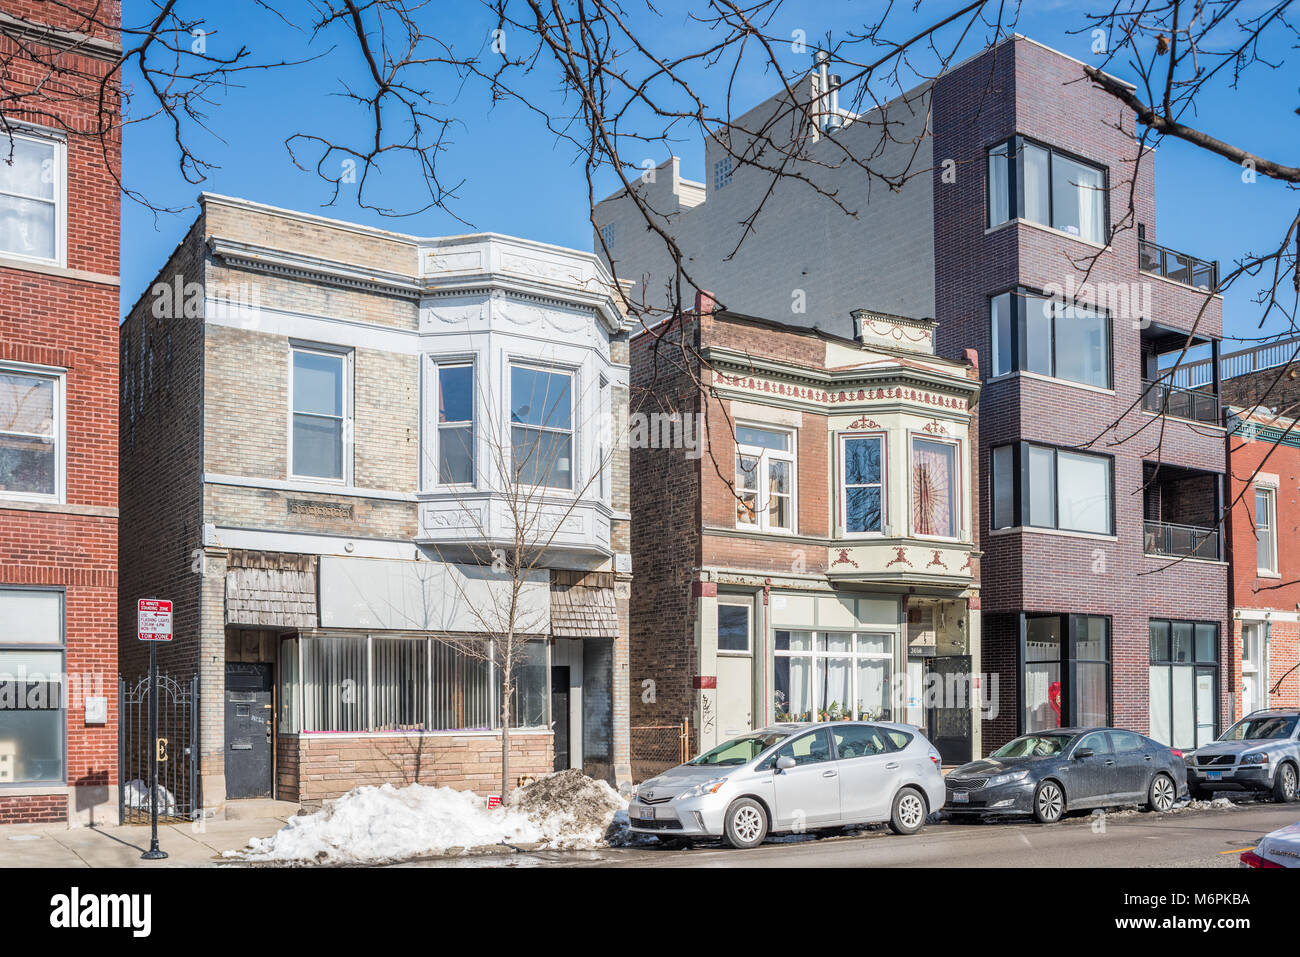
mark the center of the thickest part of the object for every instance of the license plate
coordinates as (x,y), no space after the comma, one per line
(960,797)
(645,813)
(1214,775)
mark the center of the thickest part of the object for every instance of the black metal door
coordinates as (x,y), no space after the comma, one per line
(248,730)
(949,718)
(560,714)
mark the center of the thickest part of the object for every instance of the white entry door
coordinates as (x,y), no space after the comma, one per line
(735,695)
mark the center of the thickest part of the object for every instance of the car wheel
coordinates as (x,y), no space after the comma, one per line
(908,815)
(1162,793)
(746,824)
(1049,803)
(1284,784)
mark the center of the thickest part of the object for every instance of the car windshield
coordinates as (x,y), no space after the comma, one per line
(741,750)
(1274,726)
(1034,746)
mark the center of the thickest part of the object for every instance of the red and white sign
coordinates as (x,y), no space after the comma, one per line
(155,616)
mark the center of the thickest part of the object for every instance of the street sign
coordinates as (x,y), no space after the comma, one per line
(155,619)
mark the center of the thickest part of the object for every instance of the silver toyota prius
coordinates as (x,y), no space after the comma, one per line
(795,778)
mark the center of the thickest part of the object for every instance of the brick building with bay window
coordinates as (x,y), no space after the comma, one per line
(809,555)
(1101,476)
(317,421)
(59,215)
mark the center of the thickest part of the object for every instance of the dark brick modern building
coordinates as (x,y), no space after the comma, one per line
(1100,476)
(59,212)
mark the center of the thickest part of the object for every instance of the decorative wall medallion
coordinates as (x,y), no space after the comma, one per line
(844,559)
(900,558)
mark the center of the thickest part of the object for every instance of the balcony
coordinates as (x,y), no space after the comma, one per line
(1198,405)
(1181,509)
(1171,264)
(1168,388)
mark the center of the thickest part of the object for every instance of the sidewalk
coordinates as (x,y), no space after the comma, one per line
(56,845)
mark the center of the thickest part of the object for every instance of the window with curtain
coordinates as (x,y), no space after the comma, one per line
(541,426)
(1065,679)
(1046,487)
(862,483)
(1030,181)
(934,488)
(320,413)
(455,424)
(31,686)
(1063,340)
(30,433)
(1266,530)
(765,468)
(1183,682)
(30,192)
(833,676)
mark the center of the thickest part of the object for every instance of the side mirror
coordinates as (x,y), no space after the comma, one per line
(1083,753)
(784,763)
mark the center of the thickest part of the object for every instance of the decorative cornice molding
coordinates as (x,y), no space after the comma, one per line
(312,268)
(57,38)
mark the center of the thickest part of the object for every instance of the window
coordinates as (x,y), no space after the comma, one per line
(31,196)
(541,433)
(1126,742)
(1066,675)
(321,412)
(733,627)
(722,172)
(456,424)
(764,478)
(1036,183)
(358,683)
(604,453)
(1183,682)
(1266,530)
(31,687)
(862,488)
(833,676)
(860,741)
(1031,333)
(31,434)
(1045,487)
(607,235)
(811,748)
(934,488)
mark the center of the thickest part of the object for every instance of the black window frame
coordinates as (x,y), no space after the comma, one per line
(1068,663)
(1016,187)
(1019,346)
(1196,664)
(1020,482)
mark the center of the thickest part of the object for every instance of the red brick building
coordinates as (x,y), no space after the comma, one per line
(802,530)
(1263,530)
(59,219)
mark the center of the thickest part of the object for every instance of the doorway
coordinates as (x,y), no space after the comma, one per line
(249,730)
(560,715)
(1254,668)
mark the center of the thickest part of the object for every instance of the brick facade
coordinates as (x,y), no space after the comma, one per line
(60,319)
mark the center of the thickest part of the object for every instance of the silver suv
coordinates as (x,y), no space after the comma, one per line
(1261,752)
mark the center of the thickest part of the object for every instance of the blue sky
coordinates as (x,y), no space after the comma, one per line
(519,179)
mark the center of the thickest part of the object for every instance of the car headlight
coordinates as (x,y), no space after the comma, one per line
(708,787)
(1254,757)
(1010,777)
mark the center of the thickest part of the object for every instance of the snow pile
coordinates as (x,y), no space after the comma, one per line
(371,825)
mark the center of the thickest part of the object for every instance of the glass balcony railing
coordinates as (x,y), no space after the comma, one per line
(1180,267)
(1190,541)
(1161,397)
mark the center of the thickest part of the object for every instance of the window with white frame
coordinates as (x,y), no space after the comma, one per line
(31,434)
(862,483)
(1266,530)
(455,433)
(832,676)
(934,488)
(31,686)
(396,684)
(31,196)
(320,435)
(604,449)
(765,460)
(541,426)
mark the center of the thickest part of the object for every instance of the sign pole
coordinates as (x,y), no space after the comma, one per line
(154,853)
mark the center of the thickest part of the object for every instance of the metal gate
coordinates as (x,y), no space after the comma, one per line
(177,746)
(658,747)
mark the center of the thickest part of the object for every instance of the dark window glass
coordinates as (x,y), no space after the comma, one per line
(733,627)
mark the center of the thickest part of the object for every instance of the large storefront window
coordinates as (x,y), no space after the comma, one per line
(1184,679)
(833,676)
(31,687)
(1066,676)
(383,683)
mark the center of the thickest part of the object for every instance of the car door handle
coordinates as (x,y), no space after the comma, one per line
(891,765)
(1109,764)
(1147,758)
(828,774)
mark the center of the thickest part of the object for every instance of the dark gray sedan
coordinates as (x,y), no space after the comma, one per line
(1068,769)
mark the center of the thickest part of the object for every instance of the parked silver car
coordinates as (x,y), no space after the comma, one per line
(793,778)
(1261,752)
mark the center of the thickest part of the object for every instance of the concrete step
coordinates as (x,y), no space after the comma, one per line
(252,808)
